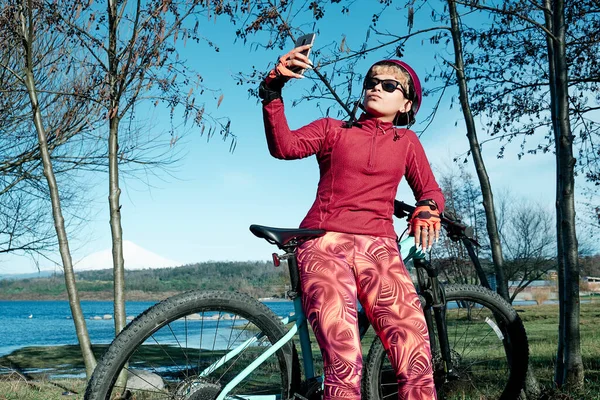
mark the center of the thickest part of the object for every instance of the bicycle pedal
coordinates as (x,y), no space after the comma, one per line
(311,389)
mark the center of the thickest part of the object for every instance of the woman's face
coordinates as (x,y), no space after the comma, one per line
(385,105)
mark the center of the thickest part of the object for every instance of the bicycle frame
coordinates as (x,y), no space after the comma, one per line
(299,327)
(268,360)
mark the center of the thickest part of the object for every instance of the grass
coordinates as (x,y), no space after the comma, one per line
(541,323)
(16,387)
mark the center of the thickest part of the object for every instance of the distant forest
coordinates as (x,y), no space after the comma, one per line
(259,279)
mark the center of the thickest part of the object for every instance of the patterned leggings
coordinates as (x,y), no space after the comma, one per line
(335,270)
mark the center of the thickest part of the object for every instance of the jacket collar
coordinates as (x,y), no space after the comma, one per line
(371,123)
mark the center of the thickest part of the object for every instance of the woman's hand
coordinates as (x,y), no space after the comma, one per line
(425,225)
(291,64)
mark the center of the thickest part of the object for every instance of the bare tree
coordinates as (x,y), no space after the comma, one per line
(569,370)
(529,247)
(526,96)
(26,226)
(133,45)
(22,21)
(484,181)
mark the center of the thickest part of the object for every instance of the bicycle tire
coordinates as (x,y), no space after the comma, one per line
(165,348)
(496,371)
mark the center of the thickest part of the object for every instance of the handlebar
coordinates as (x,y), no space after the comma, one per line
(451,224)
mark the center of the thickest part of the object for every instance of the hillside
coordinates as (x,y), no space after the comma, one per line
(257,278)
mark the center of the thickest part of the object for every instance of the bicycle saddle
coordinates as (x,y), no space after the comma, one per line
(285,237)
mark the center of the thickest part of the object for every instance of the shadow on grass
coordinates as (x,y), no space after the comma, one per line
(59,360)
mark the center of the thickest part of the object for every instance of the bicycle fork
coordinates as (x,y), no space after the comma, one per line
(435,300)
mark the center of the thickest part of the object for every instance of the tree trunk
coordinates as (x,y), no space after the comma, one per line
(572,374)
(532,389)
(59,222)
(560,365)
(113,171)
(115,228)
(484,181)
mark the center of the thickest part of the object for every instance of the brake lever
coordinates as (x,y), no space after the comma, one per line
(456,230)
(470,235)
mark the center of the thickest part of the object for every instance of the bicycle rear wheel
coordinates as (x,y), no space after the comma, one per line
(488,347)
(183,348)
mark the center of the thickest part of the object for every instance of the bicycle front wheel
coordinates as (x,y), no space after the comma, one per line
(191,346)
(488,347)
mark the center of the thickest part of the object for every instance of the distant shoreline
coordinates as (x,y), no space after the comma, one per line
(133,295)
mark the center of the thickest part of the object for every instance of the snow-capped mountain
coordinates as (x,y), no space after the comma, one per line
(135,257)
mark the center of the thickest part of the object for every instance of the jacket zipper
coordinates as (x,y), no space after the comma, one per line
(372,150)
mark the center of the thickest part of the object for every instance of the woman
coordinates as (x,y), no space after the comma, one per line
(361,164)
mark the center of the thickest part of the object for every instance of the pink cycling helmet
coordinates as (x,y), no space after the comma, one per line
(415,92)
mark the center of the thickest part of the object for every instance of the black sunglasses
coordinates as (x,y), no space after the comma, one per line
(389,85)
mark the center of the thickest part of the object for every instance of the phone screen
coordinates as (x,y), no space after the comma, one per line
(301,41)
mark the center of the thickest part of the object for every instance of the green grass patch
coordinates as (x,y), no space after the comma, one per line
(16,387)
(541,323)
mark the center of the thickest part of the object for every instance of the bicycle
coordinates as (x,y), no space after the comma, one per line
(478,341)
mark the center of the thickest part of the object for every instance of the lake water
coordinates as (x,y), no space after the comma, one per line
(49,323)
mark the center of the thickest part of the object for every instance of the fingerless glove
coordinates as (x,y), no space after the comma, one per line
(270,87)
(426,216)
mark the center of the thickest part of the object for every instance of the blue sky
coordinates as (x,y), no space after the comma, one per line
(203,212)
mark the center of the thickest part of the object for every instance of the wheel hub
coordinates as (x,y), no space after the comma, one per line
(441,376)
(198,390)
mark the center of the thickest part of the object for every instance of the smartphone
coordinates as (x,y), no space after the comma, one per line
(301,41)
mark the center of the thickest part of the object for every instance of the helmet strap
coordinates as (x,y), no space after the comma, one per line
(352,121)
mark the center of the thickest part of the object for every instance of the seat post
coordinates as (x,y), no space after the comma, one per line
(290,256)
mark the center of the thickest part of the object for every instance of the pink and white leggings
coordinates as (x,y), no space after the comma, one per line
(335,270)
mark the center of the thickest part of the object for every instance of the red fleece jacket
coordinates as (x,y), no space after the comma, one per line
(360,169)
